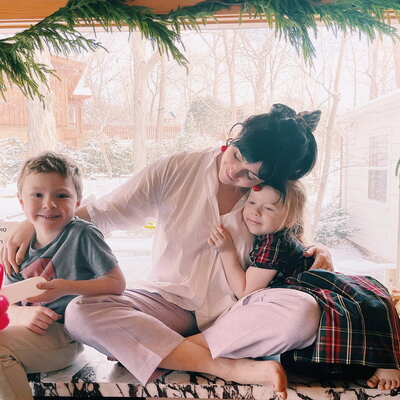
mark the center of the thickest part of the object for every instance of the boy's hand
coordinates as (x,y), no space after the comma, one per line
(221,240)
(37,318)
(54,289)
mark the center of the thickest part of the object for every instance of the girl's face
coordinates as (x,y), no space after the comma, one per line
(234,170)
(264,212)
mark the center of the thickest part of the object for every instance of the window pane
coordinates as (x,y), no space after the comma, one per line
(378,151)
(377,185)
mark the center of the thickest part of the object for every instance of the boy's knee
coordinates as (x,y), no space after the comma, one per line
(7,358)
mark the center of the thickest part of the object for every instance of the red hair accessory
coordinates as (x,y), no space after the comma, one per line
(224,148)
(256,188)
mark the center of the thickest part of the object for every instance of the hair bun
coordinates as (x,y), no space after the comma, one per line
(311,118)
(283,111)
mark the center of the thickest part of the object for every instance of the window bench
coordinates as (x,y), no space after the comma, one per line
(93,376)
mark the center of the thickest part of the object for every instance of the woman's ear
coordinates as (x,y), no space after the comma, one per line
(312,118)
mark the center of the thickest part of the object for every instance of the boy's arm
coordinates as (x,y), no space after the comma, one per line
(112,282)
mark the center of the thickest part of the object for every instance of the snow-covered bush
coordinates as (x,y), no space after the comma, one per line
(334,225)
(13,152)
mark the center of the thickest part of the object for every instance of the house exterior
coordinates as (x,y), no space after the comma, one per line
(370,188)
(69,102)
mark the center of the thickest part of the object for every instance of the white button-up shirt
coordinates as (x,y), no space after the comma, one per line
(180,191)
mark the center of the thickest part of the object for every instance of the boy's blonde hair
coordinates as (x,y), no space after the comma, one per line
(48,162)
(294,202)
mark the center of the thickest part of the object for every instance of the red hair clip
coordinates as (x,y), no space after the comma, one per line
(256,188)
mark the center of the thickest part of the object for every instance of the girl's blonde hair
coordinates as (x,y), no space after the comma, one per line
(294,202)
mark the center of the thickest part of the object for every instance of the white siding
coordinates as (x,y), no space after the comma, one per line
(377,221)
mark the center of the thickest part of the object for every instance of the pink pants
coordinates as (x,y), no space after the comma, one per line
(140,328)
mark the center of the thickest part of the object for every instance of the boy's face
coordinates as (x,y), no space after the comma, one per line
(49,202)
(263,212)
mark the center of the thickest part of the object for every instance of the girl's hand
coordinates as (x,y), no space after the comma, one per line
(37,318)
(322,257)
(54,289)
(15,247)
(221,240)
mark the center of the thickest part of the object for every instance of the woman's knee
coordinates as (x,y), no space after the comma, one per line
(306,319)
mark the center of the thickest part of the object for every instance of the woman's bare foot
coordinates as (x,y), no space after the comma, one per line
(385,379)
(259,372)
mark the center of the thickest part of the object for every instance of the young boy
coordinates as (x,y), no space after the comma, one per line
(74,259)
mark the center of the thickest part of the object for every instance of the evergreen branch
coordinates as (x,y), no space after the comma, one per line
(291,19)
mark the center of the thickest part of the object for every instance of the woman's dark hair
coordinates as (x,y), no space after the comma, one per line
(283,141)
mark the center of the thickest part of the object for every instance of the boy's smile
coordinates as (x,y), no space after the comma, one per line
(49,202)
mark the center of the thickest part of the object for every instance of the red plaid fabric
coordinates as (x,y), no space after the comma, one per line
(359,323)
(280,252)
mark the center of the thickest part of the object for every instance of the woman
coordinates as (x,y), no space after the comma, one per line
(190,193)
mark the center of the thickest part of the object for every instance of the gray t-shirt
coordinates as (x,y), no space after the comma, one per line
(78,253)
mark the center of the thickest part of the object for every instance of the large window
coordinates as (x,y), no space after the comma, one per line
(116,111)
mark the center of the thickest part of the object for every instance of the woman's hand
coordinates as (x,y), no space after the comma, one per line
(221,240)
(322,256)
(15,246)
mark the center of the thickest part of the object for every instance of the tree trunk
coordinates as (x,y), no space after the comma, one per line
(373,69)
(396,56)
(139,128)
(41,127)
(161,101)
(230,62)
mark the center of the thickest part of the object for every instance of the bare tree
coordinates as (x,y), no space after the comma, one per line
(396,56)
(161,101)
(139,75)
(230,59)
(329,133)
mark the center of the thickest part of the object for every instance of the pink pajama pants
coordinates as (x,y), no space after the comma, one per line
(140,328)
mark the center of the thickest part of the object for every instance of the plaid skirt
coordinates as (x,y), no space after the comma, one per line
(359,321)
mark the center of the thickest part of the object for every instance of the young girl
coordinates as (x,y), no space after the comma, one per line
(354,309)
(276,219)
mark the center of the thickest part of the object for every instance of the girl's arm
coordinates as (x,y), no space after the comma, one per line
(113,282)
(241,282)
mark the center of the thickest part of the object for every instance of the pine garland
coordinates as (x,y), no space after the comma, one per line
(292,19)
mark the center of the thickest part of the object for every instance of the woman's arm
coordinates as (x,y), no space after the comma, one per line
(15,246)
(113,282)
(323,258)
(241,282)
(17,243)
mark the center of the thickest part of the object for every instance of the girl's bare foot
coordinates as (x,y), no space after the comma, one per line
(385,379)
(260,372)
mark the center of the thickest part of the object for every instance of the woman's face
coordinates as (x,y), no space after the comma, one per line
(236,171)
